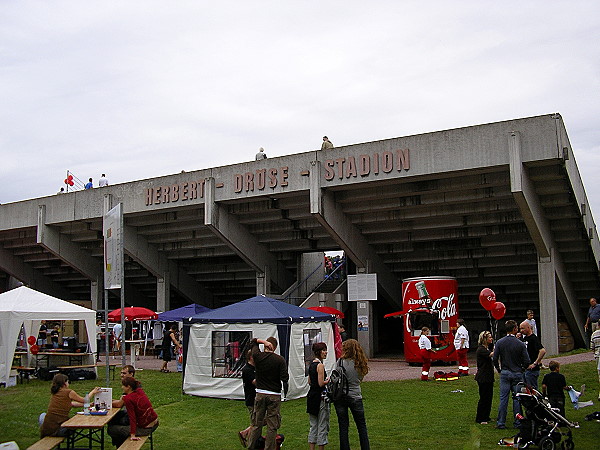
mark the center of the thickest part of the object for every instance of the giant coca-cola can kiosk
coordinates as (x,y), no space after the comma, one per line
(430,302)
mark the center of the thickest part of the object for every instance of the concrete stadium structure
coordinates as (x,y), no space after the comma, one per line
(499,205)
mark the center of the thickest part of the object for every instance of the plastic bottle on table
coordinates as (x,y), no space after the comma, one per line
(86,404)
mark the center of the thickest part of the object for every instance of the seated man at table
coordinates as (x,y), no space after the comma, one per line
(127,371)
(121,417)
(143,420)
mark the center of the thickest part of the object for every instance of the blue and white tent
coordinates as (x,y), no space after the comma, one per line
(177,315)
(215,343)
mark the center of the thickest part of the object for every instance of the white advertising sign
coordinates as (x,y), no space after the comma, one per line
(113,248)
(362,286)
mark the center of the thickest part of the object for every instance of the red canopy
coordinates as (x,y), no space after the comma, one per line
(132,313)
(328,310)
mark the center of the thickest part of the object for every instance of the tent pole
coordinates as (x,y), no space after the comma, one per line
(123,322)
(106,337)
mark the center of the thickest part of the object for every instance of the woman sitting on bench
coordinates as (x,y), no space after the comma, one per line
(60,404)
(143,420)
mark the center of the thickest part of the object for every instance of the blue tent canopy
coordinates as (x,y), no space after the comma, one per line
(177,315)
(257,309)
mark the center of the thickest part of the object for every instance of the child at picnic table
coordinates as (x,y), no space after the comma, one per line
(61,401)
(143,420)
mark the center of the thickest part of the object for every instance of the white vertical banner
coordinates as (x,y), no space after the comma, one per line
(113,248)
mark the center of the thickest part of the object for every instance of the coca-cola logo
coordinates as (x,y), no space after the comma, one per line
(449,310)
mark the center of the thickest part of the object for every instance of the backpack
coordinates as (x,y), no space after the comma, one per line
(46,373)
(338,387)
(81,374)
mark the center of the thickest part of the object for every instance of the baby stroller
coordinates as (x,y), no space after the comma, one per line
(542,425)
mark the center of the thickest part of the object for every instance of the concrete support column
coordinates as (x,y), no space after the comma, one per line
(548,328)
(237,237)
(364,317)
(331,216)
(263,282)
(531,209)
(163,293)
(96,295)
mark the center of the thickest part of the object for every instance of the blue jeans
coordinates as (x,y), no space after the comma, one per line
(358,414)
(531,378)
(508,383)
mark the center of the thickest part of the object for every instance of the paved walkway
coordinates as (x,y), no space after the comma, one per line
(381,369)
(387,369)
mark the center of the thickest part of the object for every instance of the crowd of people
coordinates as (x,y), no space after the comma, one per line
(136,417)
(102,182)
(265,377)
(517,357)
(335,267)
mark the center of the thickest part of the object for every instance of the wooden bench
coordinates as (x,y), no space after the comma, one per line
(136,445)
(47,443)
(24,373)
(111,367)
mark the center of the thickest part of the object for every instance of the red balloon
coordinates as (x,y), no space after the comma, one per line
(35,349)
(31,340)
(487,298)
(66,181)
(71,183)
(498,311)
(70,177)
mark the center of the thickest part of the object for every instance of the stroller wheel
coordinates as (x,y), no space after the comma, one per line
(568,445)
(546,443)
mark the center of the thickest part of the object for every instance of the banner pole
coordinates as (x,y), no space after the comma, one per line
(106,337)
(122,280)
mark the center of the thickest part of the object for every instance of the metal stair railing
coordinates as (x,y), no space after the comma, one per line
(299,283)
(328,277)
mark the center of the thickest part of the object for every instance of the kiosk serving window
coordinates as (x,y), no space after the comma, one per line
(228,353)
(311,336)
(420,319)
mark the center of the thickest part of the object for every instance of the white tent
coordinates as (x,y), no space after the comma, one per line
(212,367)
(24,306)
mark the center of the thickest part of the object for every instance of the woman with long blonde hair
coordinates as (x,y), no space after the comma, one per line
(355,363)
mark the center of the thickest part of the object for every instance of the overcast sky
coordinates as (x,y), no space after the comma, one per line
(139,89)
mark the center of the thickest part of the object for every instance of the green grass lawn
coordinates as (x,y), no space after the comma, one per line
(400,414)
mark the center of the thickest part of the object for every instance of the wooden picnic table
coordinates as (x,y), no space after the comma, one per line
(88,427)
(111,367)
(73,357)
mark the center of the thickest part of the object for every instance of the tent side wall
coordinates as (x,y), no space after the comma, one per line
(298,384)
(10,326)
(198,379)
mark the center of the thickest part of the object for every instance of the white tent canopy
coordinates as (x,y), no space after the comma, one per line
(27,307)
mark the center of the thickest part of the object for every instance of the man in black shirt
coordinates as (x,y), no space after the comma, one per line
(271,373)
(510,360)
(249,382)
(536,352)
(42,335)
